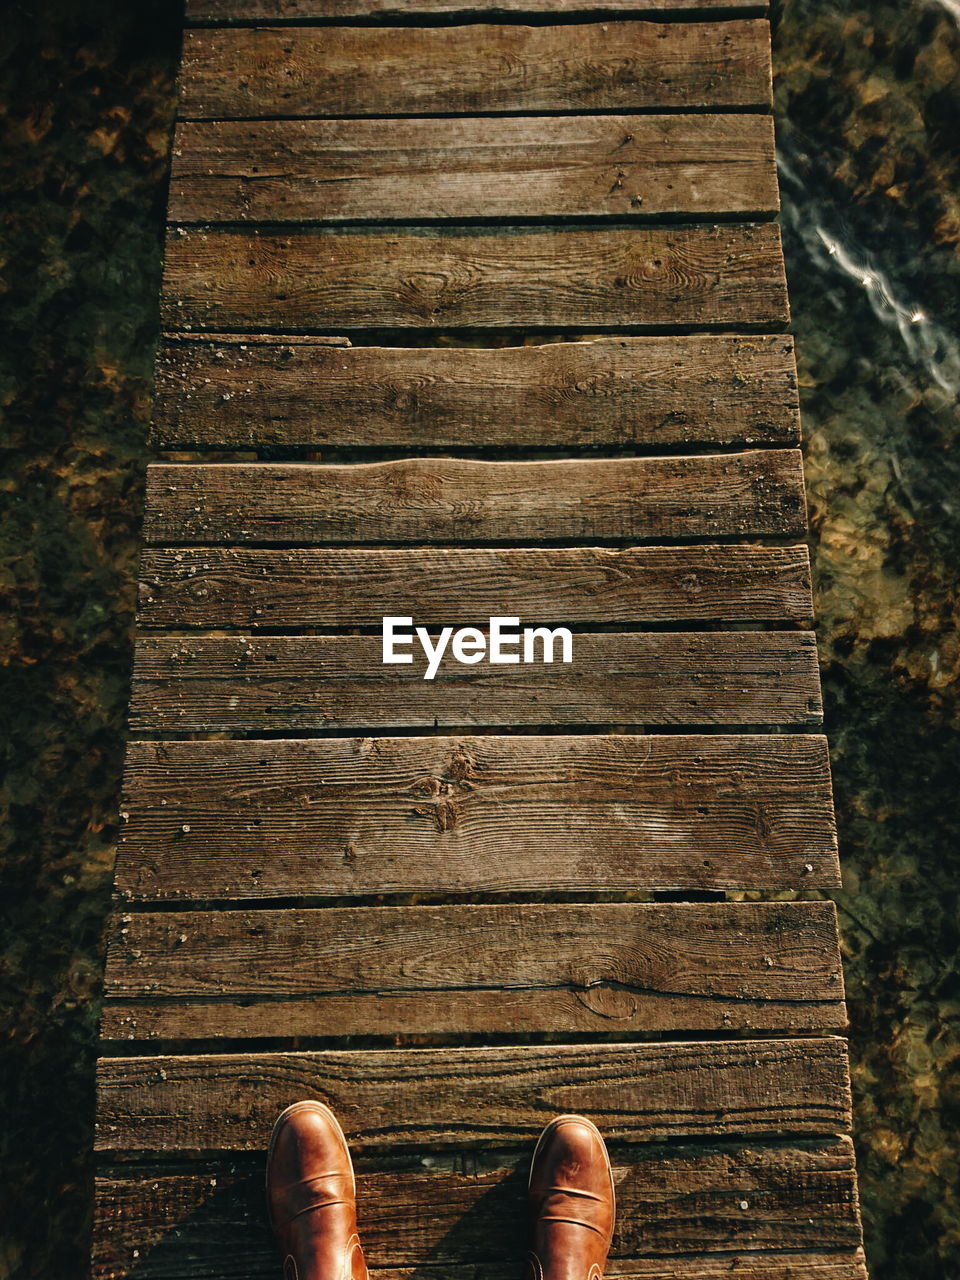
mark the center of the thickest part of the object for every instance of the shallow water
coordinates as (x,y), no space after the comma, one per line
(868,110)
(868,103)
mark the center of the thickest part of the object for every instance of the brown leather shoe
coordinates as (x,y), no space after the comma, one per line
(311,1196)
(571,1202)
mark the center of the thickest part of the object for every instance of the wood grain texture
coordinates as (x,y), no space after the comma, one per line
(245,390)
(770,967)
(242,12)
(460,501)
(469,1209)
(346,816)
(364,71)
(451,1097)
(253,819)
(203,1264)
(306,587)
(277,171)
(359,278)
(264,685)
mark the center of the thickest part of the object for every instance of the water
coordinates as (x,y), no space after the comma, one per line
(868,101)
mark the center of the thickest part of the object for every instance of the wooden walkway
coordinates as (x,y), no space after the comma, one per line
(454,908)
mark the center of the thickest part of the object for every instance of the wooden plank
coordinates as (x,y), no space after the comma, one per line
(238,974)
(277,171)
(457,500)
(254,684)
(224,390)
(469,1209)
(360,278)
(451,1097)
(203,1265)
(848,1265)
(242,12)
(346,816)
(243,73)
(250,587)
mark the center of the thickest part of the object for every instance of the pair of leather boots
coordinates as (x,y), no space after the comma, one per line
(311,1194)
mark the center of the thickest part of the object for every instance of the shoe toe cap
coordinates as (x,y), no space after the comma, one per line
(307,1151)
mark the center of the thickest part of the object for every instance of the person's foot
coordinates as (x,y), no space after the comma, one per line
(571,1202)
(311,1196)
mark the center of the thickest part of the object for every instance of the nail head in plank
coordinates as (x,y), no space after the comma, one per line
(360,278)
(278,684)
(242,12)
(306,587)
(470,1208)
(212,820)
(455,500)
(222,389)
(239,73)
(460,970)
(451,1097)
(278,171)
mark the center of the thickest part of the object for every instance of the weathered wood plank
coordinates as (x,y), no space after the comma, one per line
(699,389)
(306,587)
(202,1264)
(451,1097)
(211,820)
(770,967)
(457,500)
(278,171)
(255,684)
(356,71)
(250,11)
(360,278)
(469,1210)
